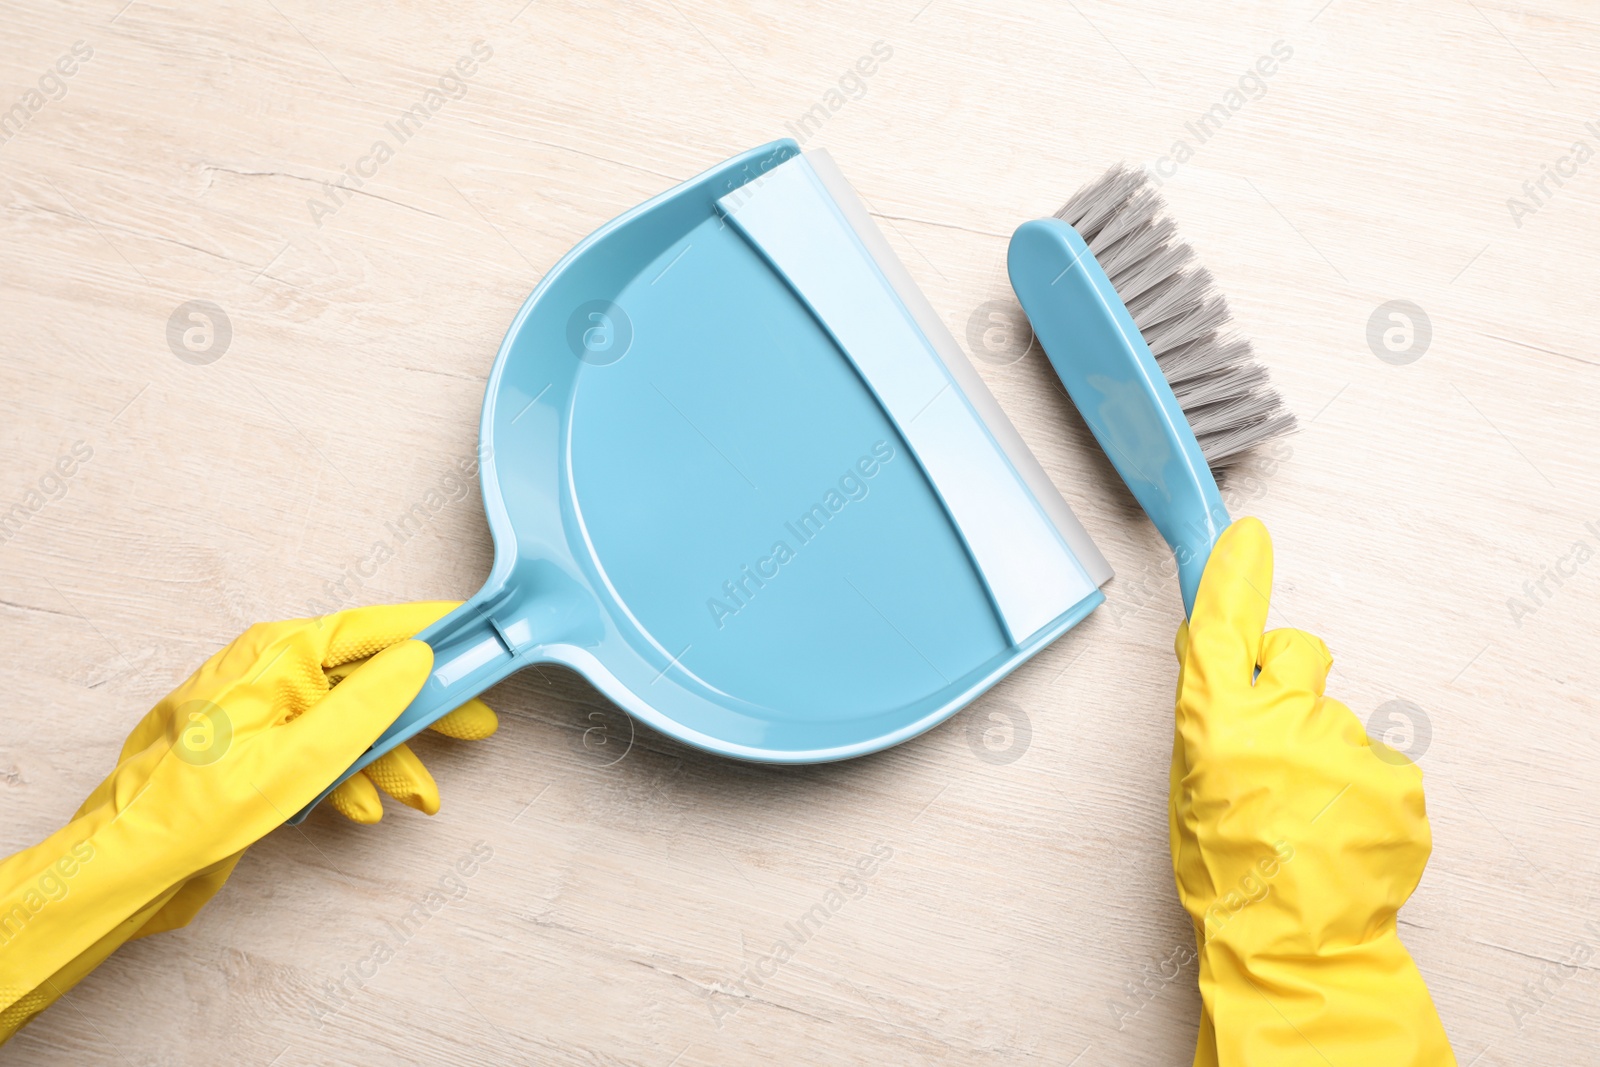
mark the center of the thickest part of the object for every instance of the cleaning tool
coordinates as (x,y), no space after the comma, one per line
(1138,335)
(1295,839)
(250,738)
(741,478)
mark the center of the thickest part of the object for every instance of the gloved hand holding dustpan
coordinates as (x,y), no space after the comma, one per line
(738,475)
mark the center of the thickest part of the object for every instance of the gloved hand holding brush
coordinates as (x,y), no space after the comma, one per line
(1295,838)
(256,733)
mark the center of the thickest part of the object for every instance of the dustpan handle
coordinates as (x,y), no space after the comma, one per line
(1118,388)
(471,652)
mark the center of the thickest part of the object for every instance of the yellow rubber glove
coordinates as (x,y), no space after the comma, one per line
(251,738)
(399,772)
(1293,843)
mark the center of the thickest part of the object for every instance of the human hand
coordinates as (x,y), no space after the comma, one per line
(248,740)
(1295,839)
(399,772)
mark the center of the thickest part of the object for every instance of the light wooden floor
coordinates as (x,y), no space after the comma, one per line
(624,896)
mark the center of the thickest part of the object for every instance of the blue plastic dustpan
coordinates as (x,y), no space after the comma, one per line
(741,479)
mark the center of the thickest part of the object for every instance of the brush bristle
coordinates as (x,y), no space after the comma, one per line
(1184,319)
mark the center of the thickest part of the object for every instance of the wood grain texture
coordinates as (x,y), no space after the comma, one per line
(625,896)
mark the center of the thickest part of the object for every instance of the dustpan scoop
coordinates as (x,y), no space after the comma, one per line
(741,478)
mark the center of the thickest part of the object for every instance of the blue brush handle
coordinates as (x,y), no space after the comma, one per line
(1119,389)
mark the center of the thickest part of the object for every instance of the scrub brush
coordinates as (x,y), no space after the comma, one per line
(1138,333)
